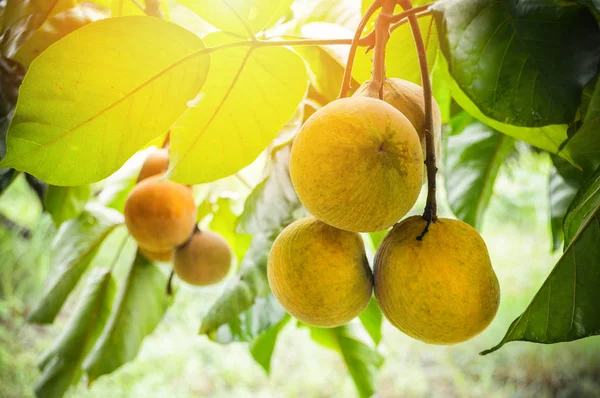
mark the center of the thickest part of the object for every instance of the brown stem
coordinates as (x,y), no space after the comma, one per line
(430,213)
(382,35)
(402,22)
(169,284)
(355,43)
(167,140)
(153,9)
(411,11)
(366,41)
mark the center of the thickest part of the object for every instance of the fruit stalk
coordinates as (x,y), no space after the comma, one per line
(430,213)
(355,43)
(153,8)
(382,35)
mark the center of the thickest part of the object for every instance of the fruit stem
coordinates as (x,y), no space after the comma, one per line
(169,283)
(430,213)
(355,42)
(382,35)
(153,9)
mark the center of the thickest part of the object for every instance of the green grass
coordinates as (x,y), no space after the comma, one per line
(176,362)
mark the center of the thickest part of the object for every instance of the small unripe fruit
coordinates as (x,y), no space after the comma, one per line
(319,273)
(157,162)
(441,289)
(203,260)
(160,214)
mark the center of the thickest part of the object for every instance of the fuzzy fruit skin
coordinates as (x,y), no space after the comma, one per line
(157,162)
(356,164)
(160,214)
(441,290)
(157,256)
(203,260)
(407,97)
(319,273)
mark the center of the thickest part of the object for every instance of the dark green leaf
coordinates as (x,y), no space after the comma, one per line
(585,144)
(61,364)
(473,159)
(566,306)
(263,346)
(522,63)
(73,249)
(564,182)
(140,306)
(361,359)
(265,313)
(272,204)
(244,290)
(65,203)
(372,320)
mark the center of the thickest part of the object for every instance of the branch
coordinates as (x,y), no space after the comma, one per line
(355,43)
(430,213)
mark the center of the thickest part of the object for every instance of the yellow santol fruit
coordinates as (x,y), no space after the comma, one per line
(203,260)
(407,97)
(319,273)
(157,162)
(163,256)
(440,290)
(356,164)
(160,214)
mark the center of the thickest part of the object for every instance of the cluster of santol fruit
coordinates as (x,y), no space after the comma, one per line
(161,215)
(357,166)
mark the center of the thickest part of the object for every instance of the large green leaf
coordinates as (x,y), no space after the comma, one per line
(263,346)
(65,203)
(61,364)
(473,159)
(243,17)
(73,249)
(372,320)
(249,95)
(23,17)
(566,306)
(273,202)
(522,63)
(585,144)
(244,290)
(549,138)
(564,181)
(55,28)
(345,13)
(361,358)
(99,94)
(140,306)
(401,55)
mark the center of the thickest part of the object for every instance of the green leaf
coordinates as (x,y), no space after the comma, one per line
(23,17)
(249,95)
(263,346)
(123,8)
(140,306)
(244,18)
(345,13)
(61,364)
(585,144)
(583,207)
(566,306)
(564,181)
(265,314)
(273,202)
(55,28)
(73,249)
(549,138)
(361,359)
(521,63)
(82,113)
(473,159)
(244,290)
(372,320)
(401,54)
(65,203)
(224,223)
(11,75)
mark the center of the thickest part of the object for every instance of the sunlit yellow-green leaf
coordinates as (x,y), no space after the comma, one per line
(248,96)
(95,97)
(123,8)
(244,17)
(401,54)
